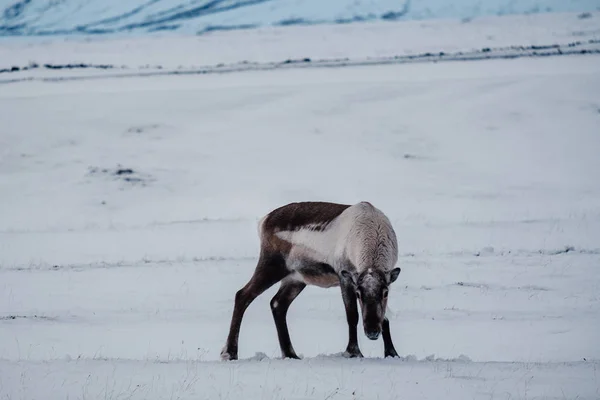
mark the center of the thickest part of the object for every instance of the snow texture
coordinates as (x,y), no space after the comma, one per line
(129,209)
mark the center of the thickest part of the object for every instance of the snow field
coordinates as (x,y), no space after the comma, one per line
(128,210)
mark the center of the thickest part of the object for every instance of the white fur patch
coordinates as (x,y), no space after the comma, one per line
(314,245)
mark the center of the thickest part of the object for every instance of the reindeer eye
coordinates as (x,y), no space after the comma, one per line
(385,294)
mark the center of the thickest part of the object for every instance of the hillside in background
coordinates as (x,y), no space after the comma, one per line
(59,17)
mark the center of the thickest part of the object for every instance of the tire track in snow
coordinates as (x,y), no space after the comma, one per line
(214,259)
(125,228)
(144,263)
(488,286)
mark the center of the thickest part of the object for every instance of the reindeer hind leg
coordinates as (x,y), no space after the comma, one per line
(289,290)
(271,268)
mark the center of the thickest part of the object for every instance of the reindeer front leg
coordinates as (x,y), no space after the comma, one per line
(349,295)
(388,346)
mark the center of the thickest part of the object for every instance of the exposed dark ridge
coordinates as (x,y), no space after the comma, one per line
(214,28)
(56,66)
(210,8)
(177,9)
(396,15)
(164,28)
(14,317)
(291,61)
(163,22)
(168,11)
(294,21)
(165,19)
(11,28)
(76,66)
(16,10)
(510,52)
(120,17)
(356,18)
(96,31)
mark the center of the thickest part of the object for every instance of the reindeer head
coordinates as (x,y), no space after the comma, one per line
(371,288)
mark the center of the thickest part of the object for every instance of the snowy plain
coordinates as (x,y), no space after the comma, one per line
(128,212)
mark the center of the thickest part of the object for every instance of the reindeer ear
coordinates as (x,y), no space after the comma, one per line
(348,277)
(393,275)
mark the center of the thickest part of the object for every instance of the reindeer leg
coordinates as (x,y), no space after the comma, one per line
(349,296)
(271,269)
(389,350)
(280,304)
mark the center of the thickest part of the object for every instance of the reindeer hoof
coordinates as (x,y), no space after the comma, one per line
(353,354)
(290,354)
(392,354)
(228,355)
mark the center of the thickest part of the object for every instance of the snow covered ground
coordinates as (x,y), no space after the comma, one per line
(128,211)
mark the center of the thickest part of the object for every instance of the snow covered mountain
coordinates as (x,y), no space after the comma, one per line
(52,17)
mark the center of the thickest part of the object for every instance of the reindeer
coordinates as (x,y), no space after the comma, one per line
(326,245)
